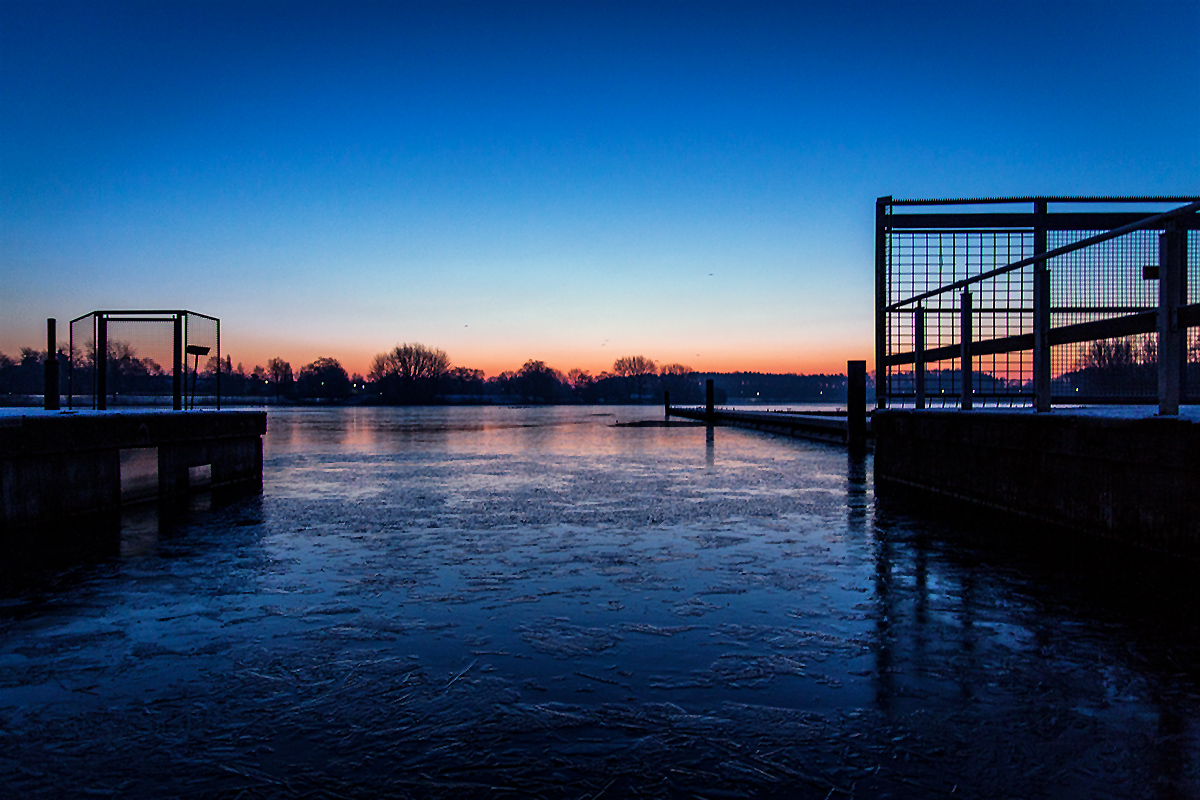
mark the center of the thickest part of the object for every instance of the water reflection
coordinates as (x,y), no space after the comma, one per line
(539,600)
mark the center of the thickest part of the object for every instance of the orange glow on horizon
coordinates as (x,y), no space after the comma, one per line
(770,361)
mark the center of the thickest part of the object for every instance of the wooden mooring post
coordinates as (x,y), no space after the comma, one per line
(856,404)
(51,387)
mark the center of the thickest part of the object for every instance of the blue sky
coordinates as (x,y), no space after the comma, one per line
(568,181)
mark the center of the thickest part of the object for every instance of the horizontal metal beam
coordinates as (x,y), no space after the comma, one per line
(1144,322)
(1029,310)
(981,201)
(993,222)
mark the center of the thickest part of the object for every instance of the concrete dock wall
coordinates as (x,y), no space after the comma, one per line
(823,428)
(1136,480)
(57,466)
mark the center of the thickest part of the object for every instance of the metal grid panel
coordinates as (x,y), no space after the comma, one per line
(139,361)
(81,381)
(1103,281)
(204,332)
(921,261)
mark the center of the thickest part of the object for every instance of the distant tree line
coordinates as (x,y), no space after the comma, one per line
(411,374)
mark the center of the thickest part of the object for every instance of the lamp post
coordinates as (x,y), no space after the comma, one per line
(197,351)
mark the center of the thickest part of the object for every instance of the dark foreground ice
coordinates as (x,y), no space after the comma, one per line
(534,603)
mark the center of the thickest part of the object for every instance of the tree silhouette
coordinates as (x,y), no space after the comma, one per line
(279,373)
(681,381)
(411,373)
(537,382)
(634,369)
(324,379)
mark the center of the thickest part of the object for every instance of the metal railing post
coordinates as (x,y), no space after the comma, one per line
(1170,335)
(919,352)
(101,399)
(1041,313)
(177,363)
(881,314)
(965,355)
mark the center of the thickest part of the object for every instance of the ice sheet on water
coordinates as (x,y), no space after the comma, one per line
(510,605)
(563,639)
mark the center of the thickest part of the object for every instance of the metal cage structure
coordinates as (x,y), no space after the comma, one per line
(1033,301)
(144,358)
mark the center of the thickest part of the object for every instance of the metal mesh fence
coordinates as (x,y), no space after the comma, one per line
(201,373)
(1104,281)
(926,260)
(1109,280)
(131,358)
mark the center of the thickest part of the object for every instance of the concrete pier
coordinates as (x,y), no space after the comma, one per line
(1134,478)
(820,427)
(58,466)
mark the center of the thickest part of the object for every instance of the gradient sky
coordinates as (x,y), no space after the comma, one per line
(569,181)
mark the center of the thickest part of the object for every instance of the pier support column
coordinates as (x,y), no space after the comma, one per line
(1171,349)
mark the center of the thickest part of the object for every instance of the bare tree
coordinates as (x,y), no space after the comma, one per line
(411,373)
(680,381)
(634,369)
(279,373)
(579,379)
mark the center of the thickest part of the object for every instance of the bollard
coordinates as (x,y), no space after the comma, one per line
(708,400)
(856,404)
(51,401)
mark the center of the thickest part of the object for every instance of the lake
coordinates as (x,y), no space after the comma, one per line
(538,602)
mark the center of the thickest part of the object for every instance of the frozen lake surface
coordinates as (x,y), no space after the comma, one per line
(507,602)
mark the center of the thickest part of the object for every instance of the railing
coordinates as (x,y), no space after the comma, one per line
(144,358)
(966,309)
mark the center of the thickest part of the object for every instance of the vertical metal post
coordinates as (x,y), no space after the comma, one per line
(1041,312)
(50,399)
(856,404)
(101,402)
(1170,336)
(1183,301)
(919,354)
(709,412)
(881,294)
(218,365)
(71,365)
(965,354)
(177,362)
(666,404)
